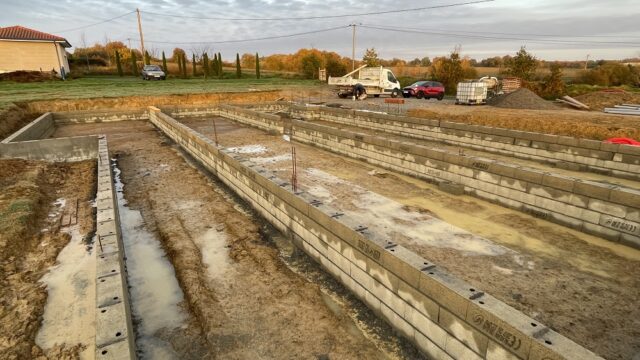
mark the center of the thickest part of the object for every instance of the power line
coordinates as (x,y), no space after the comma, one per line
(94,24)
(323,16)
(515,34)
(248,40)
(543,41)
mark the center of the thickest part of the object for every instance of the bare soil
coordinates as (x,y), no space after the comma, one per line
(30,240)
(602,99)
(253,302)
(584,287)
(27,76)
(13,118)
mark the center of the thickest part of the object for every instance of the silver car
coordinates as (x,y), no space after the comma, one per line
(153,72)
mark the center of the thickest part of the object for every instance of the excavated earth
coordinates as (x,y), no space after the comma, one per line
(582,286)
(37,203)
(247,291)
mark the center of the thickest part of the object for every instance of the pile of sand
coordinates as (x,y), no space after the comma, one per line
(27,76)
(521,99)
(602,99)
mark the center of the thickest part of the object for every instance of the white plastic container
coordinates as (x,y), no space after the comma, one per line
(472,93)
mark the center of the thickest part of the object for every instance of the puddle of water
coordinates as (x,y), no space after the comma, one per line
(155,292)
(247,149)
(69,313)
(387,216)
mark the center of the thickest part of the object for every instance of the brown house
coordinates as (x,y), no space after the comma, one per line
(26,49)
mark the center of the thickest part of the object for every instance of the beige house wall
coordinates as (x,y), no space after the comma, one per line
(32,55)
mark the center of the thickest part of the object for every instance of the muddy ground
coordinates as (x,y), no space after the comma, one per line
(247,292)
(33,230)
(584,287)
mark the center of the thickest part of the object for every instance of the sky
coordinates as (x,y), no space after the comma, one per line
(550,29)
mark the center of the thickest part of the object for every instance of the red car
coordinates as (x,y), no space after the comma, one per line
(424,89)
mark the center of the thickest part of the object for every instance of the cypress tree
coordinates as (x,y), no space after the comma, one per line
(134,63)
(164,64)
(238,69)
(193,64)
(147,58)
(118,64)
(205,65)
(257,66)
(179,59)
(220,72)
(184,65)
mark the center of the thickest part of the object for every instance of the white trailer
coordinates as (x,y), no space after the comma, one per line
(374,81)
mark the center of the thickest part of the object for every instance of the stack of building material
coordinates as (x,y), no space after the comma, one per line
(624,109)
(572,102)
(511,84)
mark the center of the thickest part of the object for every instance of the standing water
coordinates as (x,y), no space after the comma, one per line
(155,292)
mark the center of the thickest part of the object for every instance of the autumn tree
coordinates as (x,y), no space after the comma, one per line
(220,72)
(118,64)
(184,65)
(523,65)
(214,65)
(310,65)
(370,57)
(147,58)
(448,71)
(553,85)
(248,60)
(177,54)
(164,64)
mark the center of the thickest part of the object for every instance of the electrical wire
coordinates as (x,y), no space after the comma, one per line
(94,24)
(321,16)
(248,40)
(470,36)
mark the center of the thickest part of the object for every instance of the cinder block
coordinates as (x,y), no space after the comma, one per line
(121,350)
(557,181)
(553,346)
(446,290)
(601,231)
(431,329)
(607,208)
(429,348)
(630,240)
(497,352)
(451,188)
(464,332)
(626,196)
(418,301)
(458,350)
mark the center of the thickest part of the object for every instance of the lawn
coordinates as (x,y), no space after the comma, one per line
(114,86)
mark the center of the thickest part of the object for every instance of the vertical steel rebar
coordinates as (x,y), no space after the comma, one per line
(215,131)
(294,172)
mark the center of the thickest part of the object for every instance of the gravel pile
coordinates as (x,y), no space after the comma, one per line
(521,99)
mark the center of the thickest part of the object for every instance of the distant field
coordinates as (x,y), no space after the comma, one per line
(423,72)
(114,86)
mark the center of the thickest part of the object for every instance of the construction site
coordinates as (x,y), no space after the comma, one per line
(269,225)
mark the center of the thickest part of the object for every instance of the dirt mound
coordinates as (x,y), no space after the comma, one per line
(27,76)
(521,99)
(601,99)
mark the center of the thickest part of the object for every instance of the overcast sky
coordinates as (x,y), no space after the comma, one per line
(576,28)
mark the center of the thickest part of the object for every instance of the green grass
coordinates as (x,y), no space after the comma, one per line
(114,86)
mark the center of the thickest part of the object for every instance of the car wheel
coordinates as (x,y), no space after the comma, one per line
(376,96)
(441,96)
(419,95)
(395,93)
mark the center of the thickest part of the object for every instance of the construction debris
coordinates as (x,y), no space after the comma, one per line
(521,99)
(624,109)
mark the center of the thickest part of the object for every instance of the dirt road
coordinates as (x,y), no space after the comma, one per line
(248,294)
(37,203)
(582,286)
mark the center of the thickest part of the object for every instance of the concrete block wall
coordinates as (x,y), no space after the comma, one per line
(96,116)
(115,338)
(40,128)
(608,211)
(254,118)
(443,316)
(583,154)
(75,148)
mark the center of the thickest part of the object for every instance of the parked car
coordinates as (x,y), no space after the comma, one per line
(424,89)
(153,72)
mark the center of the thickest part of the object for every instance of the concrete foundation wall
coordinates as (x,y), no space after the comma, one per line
(62,149)
(40,128)
(582,154)
(96,116)
(608,211)
(115,338)
(443,316)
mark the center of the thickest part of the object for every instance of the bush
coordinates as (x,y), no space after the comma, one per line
(611,74)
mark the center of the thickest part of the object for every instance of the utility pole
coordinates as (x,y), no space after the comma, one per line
(141,37)
(353,48)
